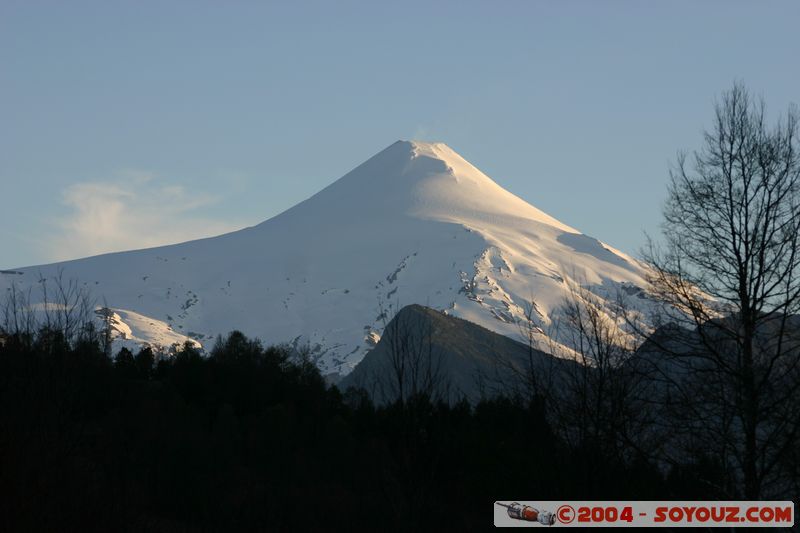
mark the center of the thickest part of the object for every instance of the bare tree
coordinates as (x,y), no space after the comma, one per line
(537,376)
(532,378)
(601,401)
(730,262)
(19,318)
(62,307)
(415,368)
(106,337)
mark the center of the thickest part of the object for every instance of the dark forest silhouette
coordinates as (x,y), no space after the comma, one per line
(252,438)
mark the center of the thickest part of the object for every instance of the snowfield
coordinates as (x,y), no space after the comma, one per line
(416,223)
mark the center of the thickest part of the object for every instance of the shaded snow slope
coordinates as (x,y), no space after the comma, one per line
(416,223)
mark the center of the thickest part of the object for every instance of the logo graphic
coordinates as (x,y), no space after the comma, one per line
(518,511)
(565,514)
(650,513)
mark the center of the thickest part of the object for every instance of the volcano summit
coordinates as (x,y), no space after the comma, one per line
(416,223)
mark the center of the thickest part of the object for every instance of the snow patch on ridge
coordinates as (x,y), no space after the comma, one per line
(132,330)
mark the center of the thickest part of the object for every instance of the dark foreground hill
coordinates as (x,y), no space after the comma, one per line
(424,350)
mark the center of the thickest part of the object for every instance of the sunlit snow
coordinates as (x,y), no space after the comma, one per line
(416,223)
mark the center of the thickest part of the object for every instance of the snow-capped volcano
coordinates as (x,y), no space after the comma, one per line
(416,223)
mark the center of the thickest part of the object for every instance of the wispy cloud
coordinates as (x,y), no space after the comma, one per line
(135,210)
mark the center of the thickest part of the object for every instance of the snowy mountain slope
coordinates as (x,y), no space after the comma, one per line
(416,223)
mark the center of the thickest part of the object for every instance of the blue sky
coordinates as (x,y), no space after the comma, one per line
(132,124)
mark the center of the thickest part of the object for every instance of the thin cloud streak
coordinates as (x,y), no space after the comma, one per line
(137,211)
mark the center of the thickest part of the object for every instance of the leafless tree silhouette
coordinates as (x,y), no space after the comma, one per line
(62,306)
(415,368)
(730,263)
(601,401)
(531,379)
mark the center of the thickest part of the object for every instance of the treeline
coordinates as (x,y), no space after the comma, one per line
(250,437)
